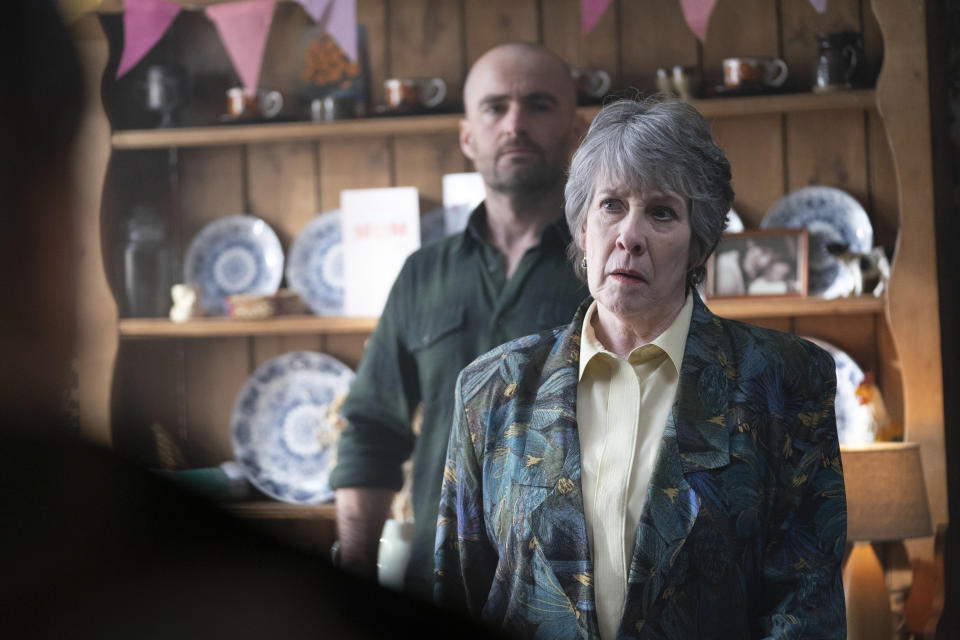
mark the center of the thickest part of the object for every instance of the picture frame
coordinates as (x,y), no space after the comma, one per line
(759,263)
(324,71)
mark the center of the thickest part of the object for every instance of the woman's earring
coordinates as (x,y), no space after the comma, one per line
(583,263)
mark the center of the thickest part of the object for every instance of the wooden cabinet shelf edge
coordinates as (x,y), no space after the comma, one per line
(134,328)
(417,125)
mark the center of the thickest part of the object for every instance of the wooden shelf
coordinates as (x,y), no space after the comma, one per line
(782,307)
(271,510)
(417,125)
(139,328)
(228,327)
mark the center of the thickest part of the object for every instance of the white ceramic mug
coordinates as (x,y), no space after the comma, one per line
(413,93)
(593,83)
(754,72)
(393,554)
(243,104)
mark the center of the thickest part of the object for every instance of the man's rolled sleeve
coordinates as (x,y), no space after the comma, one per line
(378,437)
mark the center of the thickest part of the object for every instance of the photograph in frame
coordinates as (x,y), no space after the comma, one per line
(767,263)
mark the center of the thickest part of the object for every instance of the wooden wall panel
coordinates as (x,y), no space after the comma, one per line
(741,28)
(268,347)
(872,46)
(425,41)
(421,162)
(372,14)
(215,370)
(563,34)
(282,184)
(352,164)
(856,335)
(883,205)
(754,147)
(348,348)
(492,22)
(827,148)
(653,34)
(283,59)
(148,388)
(283,188)
(196,45)
(212,185)
(889,378)
(801,24)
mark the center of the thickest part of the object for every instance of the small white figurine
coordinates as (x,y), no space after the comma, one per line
(184,302)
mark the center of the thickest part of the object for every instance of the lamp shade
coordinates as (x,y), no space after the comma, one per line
(886,496)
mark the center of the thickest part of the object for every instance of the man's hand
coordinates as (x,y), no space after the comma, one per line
(361,513)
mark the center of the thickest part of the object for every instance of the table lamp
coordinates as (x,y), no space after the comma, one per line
(886,501)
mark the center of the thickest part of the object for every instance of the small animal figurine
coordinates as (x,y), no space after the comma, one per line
(870,271)
(184,302)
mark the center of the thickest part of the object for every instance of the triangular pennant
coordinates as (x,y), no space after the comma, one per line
(341,24)
(697,14)
(590,13)
(70,10)
(339,18)
(820,6)
(315,8)
(144,23)
(243,28)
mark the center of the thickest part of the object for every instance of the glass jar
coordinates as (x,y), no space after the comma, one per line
(146,265)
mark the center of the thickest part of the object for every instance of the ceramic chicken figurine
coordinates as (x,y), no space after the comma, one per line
(882,426)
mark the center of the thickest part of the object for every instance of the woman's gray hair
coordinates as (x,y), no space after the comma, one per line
(656,143)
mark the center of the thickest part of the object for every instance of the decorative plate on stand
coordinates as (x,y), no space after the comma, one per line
(283,427)
(236,254)
(833,217)
(854,424)
(315,264)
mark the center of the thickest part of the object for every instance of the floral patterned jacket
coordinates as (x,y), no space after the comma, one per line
(744,527)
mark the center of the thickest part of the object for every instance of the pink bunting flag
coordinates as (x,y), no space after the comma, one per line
(820,6)
(697,13)
(590,13)
(339,18)
(243,28)
(315,8)
(144,23)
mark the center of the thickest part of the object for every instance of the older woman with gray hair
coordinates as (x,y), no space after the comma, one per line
(650,470)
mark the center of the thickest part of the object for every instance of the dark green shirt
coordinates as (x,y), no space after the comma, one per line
(450,303)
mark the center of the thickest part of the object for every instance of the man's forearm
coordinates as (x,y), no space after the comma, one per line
(361,513)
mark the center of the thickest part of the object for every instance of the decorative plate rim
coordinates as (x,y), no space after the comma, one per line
(249,457)
(266,239)
(832,274)
(299,282)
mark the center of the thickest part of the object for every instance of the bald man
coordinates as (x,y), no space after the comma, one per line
(506,275)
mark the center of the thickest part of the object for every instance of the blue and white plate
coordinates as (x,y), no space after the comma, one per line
(854,424)
(283,425)
(832,216)
(236,254)
(315,264)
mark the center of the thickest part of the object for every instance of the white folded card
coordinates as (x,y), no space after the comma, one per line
(462,192)
(380,228)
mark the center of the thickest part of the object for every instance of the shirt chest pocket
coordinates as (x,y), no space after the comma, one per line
(439,345)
